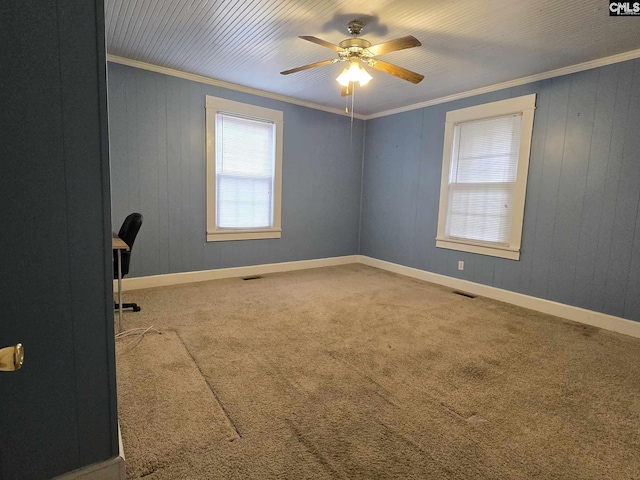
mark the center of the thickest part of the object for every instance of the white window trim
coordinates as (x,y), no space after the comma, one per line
(213,106)
(524,105)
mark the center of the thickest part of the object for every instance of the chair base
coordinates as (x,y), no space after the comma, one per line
(133,306)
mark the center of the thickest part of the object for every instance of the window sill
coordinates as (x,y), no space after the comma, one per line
(505,252)
(243,235)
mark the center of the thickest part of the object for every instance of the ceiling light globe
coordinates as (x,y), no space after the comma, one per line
(343,78)
(364,77)
(352,74)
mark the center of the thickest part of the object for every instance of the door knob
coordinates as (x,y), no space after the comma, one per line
(11,358)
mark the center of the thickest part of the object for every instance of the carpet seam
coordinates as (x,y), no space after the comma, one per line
(215,395)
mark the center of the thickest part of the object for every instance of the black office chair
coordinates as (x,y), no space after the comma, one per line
(128,233)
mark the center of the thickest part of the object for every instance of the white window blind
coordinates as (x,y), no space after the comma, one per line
(482,179)
(245,165)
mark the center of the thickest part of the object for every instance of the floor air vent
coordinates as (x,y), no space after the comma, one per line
(464,294)
(253,277)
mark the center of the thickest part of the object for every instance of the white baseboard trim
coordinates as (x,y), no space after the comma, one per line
(120,445)
(137,283)
(577,314)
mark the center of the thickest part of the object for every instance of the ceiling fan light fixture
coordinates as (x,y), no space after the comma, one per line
(354,73)
(358,51)
(364,77)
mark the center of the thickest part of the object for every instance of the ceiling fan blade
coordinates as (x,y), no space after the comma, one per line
(322,43)
(400,72)
(311,65)
(393,45)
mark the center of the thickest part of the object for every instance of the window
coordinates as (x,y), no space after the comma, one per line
(484,177)
(244,171)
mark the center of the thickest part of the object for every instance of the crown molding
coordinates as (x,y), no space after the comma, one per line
(601,62)
(220,83)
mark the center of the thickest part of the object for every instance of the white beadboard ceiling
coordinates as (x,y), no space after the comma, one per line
(466,44)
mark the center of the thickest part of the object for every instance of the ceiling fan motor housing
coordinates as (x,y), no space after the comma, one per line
(355,27)
(355,47)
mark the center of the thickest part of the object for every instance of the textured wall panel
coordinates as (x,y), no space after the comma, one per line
(59,411)
(579,244)
(158,169)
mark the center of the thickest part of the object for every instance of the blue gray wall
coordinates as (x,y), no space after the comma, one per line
(579,242)
(57,413)
(581,237)
(157,128)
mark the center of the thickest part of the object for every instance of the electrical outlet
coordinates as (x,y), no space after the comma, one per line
(460,265)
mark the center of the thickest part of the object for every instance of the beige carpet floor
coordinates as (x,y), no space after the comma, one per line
(352,372)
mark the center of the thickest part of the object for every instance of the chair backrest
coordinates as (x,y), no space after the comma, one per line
(128,233)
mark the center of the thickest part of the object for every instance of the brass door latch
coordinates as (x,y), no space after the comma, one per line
(11,358)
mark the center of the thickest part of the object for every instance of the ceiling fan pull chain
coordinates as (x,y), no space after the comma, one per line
(352,86)
(353,96)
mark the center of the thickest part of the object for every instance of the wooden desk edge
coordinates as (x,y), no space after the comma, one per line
(119,244)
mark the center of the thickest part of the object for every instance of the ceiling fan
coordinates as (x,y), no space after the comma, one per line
(358,51)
